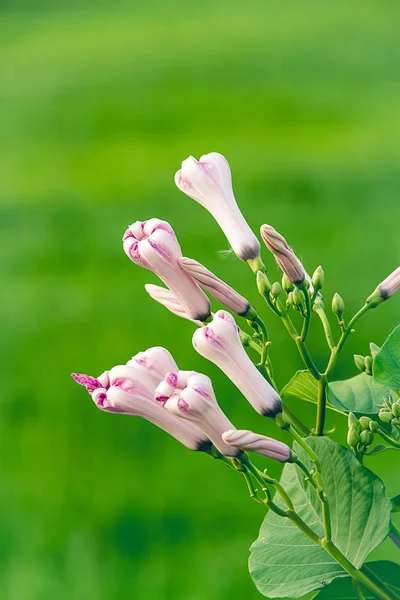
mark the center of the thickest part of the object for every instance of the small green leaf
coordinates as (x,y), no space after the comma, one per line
(386,366)
(396,503)
(284,562)
(379,449)
(342,589)
(360,394)
(303,386)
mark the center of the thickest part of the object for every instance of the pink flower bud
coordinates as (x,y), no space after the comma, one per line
(209,182)
(153,245)
(165,297)
(190,395)
(284,255)
(390,285)
(217,288)
(129,390)
(253,442)
(219,342)
(156,362)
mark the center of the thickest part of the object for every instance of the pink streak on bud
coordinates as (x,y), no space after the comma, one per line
(284,255)
(390,285)
(197,404)
(156,362)
(153,245)
(130,391)
(165,297)
(90,383)
(209,182)
(253,442)
(219,343)
(217,288)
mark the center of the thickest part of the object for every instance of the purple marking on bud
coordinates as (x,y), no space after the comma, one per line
(89,382)
(284,255)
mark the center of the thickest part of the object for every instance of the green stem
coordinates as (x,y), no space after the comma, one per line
(319,309)
(296,421)
(301,346)
(388,438)
(378,581)
(250,486)
(307,318)
(357,589)
(321,406)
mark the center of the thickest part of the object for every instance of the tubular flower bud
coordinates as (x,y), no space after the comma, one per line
(209,182)
(156,362)
(167,298)
(219,342)
(318,278)
(390,285)
(338,306)
(129,390)
(217,288)
(190,395)
(352,438)
(284,255)
(263,284)
(153,245)
(253,442)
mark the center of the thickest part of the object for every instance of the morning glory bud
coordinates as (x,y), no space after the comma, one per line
(253,442)
(353,422)
(368,365)
(298,298)
(209,182)
(216,287)
(366,437)
(219,342)
(359,362)
(338,306)
(287,285)
(385,415)
(168,299)
(364,422)
(276,289)
(153,245)
(374,349)
(129,390)
(318,278)
(352,438)
(396,409)
(263,283)
(373,426)
(386,288)
(284,255)
(193,399)
(156,362)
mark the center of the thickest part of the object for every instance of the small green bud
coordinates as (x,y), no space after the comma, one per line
(395,421)
(298,298)
(366,437)
(287,285)
(352,438)
(318,279)
(373,425)
(374,349)
(364,422)
(263,283)
(352,420)
(368,365)
(385,416)
(276,289)
(396,409)
(338,306)
(360,362)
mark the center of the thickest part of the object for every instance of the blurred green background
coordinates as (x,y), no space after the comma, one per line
(99,103)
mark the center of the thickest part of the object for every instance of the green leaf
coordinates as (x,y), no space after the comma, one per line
(342,589)
(386,365)
(379,449)
(303,386)
(360,394)
(396,504)
(284,562)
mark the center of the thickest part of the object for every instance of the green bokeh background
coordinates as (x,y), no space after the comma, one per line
(99,103)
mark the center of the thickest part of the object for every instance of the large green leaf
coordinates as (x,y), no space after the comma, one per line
(360,394)
(386,366)
(303,386)
(283,561)
(342,589)
(396,503)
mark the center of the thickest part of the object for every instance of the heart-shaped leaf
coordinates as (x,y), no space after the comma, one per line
(284,562)
(303,386)
(386,365)
(360,394)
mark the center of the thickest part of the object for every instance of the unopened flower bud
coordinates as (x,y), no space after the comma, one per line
(318,278)
(352,438)
(287,285)
(368,365)
(284,255)
(366,437)
(396,409)
(374,349)
(396,421)
(364,422)
(353,422)
(338,306)
(360,362)
(263,283)
(253,442)
(298,298)
(215,286)
(209,182)
(168,299)
(385,289)
(385,416)
(276,289)
(373,426)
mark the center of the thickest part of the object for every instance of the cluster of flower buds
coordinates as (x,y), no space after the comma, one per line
(390,411)
(363,363)
(361,433)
